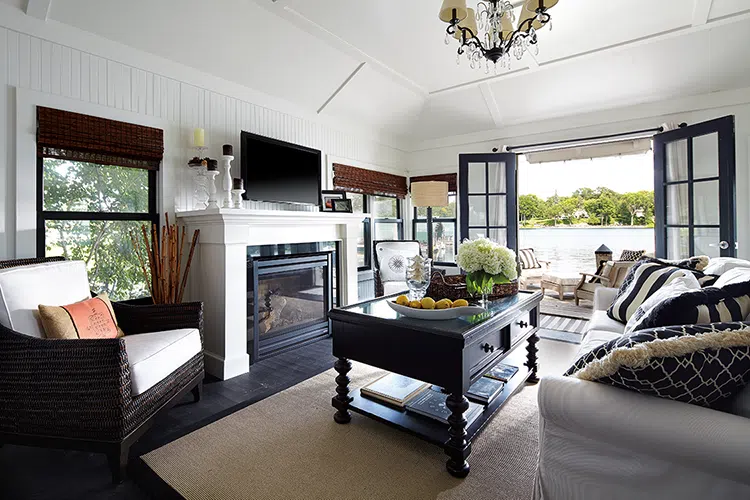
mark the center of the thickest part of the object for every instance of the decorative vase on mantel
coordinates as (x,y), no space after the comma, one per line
(488,266)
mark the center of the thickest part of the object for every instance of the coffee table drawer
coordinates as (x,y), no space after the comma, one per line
(520,326)
(480,352)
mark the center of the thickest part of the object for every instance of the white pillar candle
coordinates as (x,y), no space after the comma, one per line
(199,138)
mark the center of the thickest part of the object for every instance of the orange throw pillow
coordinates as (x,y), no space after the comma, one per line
(90,319)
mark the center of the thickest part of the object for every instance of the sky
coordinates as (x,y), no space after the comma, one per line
(623,174)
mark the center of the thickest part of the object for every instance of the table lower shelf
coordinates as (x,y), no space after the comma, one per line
(430,429)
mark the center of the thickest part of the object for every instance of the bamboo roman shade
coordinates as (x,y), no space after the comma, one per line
(360,180)
(77,137)
(451,179)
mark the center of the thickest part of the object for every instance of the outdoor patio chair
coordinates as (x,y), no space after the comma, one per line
(532,269)
(610,275)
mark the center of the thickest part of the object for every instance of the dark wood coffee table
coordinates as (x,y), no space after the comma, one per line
(452,354)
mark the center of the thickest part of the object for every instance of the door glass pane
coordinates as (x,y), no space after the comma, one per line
(386,231)
(706,203)
(443,242)
(477,210)
(677,204)
(477,232)
(707,241)
(677,160)
(420,234)
(499,236)
(678,243)
(477,178)
(497,211)
(496,172)
(706,156)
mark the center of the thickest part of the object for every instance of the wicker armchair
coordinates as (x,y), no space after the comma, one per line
(77,394)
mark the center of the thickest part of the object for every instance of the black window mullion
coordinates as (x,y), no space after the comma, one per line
(691,201)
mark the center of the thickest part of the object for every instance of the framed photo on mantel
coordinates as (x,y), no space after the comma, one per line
(329,197)
(342,206)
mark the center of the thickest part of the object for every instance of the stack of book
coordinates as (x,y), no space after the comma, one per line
(431,403)
(394,389)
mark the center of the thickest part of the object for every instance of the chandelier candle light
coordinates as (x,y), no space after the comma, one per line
(488,33)
(226,158)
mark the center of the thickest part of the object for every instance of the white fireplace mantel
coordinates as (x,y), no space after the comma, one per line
(218,275)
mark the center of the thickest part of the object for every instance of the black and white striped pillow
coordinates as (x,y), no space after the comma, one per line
(700,307)
(643,279)
(528,259)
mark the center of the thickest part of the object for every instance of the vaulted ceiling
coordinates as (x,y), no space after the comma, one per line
(384,63)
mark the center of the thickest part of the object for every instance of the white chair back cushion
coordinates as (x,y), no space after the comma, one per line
(392,257)
(23,288)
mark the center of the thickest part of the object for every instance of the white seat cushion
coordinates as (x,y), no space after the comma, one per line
(23,288)
(720,265)
(595,338)
(391,287)
(734,275)
(562,279)
(600,321)
(154,356)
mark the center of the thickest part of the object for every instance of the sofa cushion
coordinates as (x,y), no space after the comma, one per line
(528,259)
(154,356)
(631,255)
(23,288)
(735,275)
(89,319)
(697,364)
(643,280)
(720,265)
(702,306)
(600,321)
(642,315)
(595,338)
(740,404)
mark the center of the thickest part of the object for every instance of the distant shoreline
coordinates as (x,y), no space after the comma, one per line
(586,227)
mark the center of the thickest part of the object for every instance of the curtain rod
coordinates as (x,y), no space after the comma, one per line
(595,139)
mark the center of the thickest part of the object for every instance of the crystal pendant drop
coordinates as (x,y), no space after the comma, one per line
(447,39)
(458,59)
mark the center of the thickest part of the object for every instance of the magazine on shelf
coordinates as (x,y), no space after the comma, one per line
(432,404)
(502,372)
(485,390)
(394,389)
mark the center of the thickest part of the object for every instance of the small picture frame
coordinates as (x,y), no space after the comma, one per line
(342,206)
(328,198)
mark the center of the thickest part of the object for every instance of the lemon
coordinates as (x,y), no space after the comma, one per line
(402,300)
(460,303)
(443,304)
(415,304)
(428,303)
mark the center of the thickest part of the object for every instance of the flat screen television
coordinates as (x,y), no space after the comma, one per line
(279,171)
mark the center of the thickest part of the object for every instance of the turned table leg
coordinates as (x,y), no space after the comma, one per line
(457,448)
(342,399)
(531,358)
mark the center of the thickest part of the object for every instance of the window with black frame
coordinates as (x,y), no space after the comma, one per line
(92,194)
(388,223)
(364,242)
(436,228)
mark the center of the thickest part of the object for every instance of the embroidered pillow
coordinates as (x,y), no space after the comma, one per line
(702,306)
(90,319)
(697,364)
(631,255)
(528,259)
(677,287)
(643,279)
(392,265)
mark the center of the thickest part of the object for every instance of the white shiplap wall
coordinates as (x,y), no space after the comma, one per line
(32,62)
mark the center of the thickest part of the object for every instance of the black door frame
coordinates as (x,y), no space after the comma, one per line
(724,127)
(511,193)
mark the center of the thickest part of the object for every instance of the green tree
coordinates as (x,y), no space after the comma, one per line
(530,206)
(638,204)
(603,208)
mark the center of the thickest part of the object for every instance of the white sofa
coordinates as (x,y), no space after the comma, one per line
(601,442)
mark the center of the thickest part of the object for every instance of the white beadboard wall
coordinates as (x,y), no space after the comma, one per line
(34,63)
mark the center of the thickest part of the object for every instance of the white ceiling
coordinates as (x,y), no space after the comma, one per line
(598,55)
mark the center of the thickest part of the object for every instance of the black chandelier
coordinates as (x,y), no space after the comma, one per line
(489,33)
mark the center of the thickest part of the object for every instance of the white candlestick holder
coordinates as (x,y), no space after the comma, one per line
(227,161)
(212,202)
(237,197)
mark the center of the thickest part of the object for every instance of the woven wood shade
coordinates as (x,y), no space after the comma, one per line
(77,137)
(360,180)
(451,179)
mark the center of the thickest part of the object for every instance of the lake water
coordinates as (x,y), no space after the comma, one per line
(572,249)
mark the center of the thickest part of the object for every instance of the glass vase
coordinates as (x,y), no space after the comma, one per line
(418,270)
(479,284)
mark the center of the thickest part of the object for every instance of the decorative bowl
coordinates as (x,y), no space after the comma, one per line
(436,314)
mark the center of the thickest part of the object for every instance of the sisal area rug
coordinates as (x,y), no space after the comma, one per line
(288,447)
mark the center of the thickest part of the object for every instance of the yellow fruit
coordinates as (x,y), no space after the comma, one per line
(460,303)
(402,300)
(415,304)
(443,304)
(428,303)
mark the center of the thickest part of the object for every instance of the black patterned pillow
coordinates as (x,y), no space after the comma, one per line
(694,264)
(703,306)
(528,259)
(643,279)
(697,364)
(631,255)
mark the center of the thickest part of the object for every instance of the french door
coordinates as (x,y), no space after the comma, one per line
(487,197)
(694,190)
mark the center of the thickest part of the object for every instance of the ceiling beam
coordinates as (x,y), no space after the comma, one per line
(701,10)
(492,107)
(341,87)
(38,8)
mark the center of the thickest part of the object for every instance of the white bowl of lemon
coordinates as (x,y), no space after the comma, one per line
(429,308)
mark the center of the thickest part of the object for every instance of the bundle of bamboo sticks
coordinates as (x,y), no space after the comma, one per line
(164,273)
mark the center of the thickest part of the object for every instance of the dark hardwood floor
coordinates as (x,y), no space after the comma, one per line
(37,473)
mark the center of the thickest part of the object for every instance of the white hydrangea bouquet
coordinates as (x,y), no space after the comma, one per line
(486,263)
